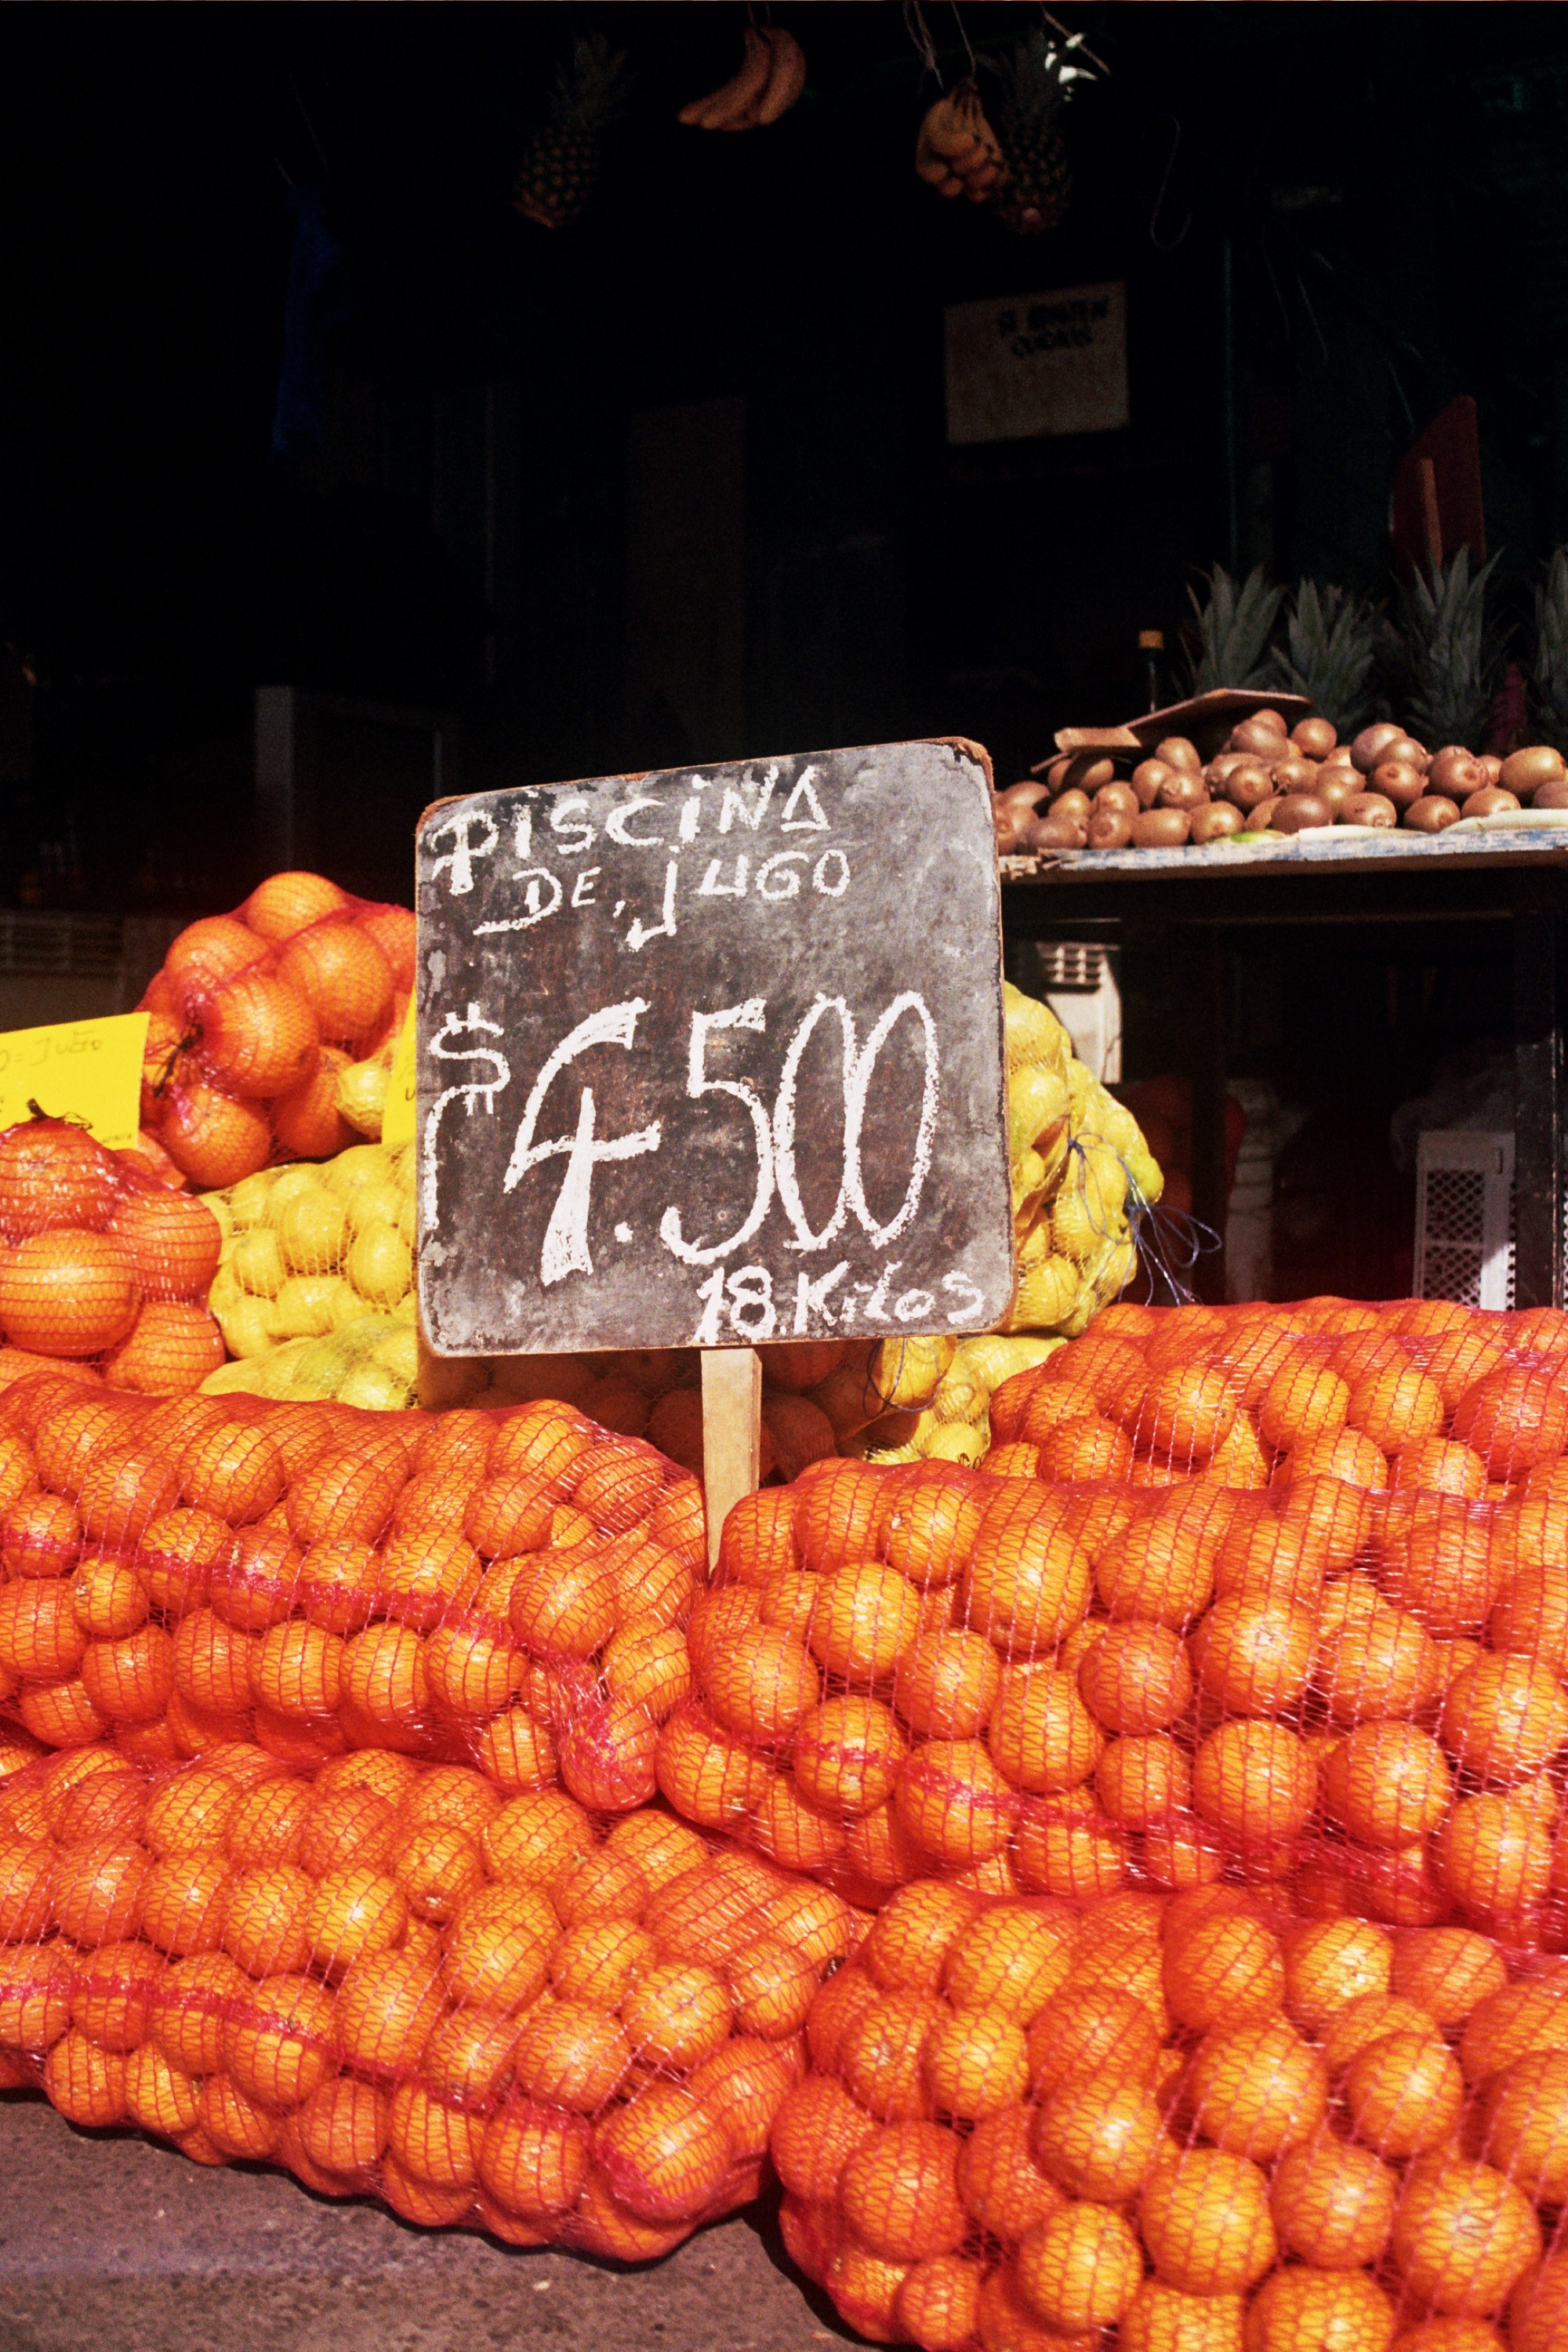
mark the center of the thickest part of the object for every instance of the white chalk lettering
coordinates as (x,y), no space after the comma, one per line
(913,1306)
(615,824)
(968,1299)
(840,864)
(855,1119)
(457,1026)
(751,1015)
(571,844)
(522,834)
(811,1298)
(711,887)
(783,1124)
(786,885)
(751,1288)
(540,881)
(640,933)
(803,796)
(565,1249)
(583,888)
(458,862)
(738,802)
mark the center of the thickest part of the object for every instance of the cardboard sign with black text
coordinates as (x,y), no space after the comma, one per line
(713,1057)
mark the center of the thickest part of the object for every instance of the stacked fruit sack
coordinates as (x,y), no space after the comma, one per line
(255,1018)
(495,2011)
(1187,2118)
(104,1269)
(504,1590)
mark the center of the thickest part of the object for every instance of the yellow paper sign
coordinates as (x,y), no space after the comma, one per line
(397,1119)
(88,1071)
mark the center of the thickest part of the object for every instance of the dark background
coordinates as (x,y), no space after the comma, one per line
(1391,183)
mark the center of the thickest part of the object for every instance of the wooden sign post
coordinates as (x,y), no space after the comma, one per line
(713,1057)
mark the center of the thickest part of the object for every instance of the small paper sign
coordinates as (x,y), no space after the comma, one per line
(1037,364)
(397,1121)
(86,1071)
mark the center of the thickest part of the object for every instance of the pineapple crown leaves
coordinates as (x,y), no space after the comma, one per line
(1227,639)
(1549,663)
(560,161)
(593,91)
(1446,653)
(1330,648)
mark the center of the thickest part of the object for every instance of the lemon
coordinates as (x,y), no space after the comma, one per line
(362,1163)
(379,1202)
(290,1184)
(1037,1102)
(380,1265)
(307,1305)
(1031,1030)
(906,1372)
(955,1441)
(1076,1228)
(250,1326)
(257,1265)
(220,1209)
(248,1200)
(399,1351)
(376,1387)
(361,1097)
(312,1231)
(1045,1294)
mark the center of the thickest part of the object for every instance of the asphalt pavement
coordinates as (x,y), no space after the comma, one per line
(115,2242)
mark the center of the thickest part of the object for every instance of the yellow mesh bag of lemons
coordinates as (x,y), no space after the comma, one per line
(314,1290)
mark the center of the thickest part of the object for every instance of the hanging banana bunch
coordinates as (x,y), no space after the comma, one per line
(770,79)
(957,152)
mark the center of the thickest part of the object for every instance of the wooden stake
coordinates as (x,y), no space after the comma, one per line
(731,1432)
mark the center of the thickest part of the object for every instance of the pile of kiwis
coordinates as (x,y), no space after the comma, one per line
(1268,780)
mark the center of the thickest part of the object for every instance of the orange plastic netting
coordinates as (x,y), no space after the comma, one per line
(1185,2117)
(506,1589)
(494,2011)
(256,1015)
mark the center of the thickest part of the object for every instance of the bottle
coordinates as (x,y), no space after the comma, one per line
(1151,645)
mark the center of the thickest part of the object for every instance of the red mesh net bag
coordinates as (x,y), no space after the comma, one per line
(1279,1594)
(506,1589)
(492,2011)
(1188,2118)
(255,1018)
(104,1267)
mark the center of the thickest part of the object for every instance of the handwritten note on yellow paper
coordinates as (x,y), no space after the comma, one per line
(397,1119)
(90,1071)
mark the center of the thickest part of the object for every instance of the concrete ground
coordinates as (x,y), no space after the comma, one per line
(112,2241)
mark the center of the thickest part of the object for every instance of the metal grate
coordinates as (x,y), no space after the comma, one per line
(82,947)
(1463,1218)
(1072,963)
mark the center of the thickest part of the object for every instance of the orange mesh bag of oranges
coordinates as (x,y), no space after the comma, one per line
(104,1267)
(256,1018)
(1280,1593)
(506,1589)
(1182,2123)
(493,2010)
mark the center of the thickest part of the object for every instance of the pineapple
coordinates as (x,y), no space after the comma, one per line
(1548,668)
(1038,76)
(1445,654)
(562,163)
(1330,642)
(1233,630)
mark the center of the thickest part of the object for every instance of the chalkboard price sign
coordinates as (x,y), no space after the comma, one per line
(713,1057)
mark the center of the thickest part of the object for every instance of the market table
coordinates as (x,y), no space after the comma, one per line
(111,2240)
(1202,904)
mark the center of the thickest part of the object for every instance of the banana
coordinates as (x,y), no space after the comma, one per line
(726,108)
(787,78)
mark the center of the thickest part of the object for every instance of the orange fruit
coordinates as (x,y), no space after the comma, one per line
(818,2127)
(387,2006)
(1443,1466)
(1377,1663)
(1205,2221)
(1338,2308)
(68,1292)
(952,1801)
(1494,1853)
(1397,1406)
(1302,1400)
(1162,1570)
(880,2059)
(170,1350)
(1079,2268)
(999,2181)
(1464,2237)
(1098,2138)
(1026,1582)
(87,2084)
(341,975)
(914,1933)
(306,1120)
(259,1036)
(1254,1655)
(866,1617)
(932,1525)
(1449,2336)
(1136,1678)
(1448,1971)
(1331,1963)
(976,2060)
(289,902)
(898,2192)
(1144,1783)
(1369,2019)
(1504,1719)
(1539,2310)
(1348,1456)
(947,1684)
(1225,1968)
(1513,1418)
(1255,1781)
(938,2304)
(1524,2125)
(113,1990)
(1256,2089)
(393,930)
(1041,1734)
(51,1174)
(213,1137)
(1406,2094)
(1107,2035)
(234,1472)
(845,1755)
(677,2014)
(666,2154)
(1010,1959)
(1333,2203)
(207,952)
(1387,1784)
(1161,2318)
